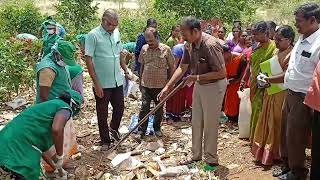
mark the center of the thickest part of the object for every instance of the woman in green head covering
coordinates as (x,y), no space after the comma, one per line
(34,131)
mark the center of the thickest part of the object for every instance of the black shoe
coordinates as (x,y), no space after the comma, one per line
(291,176)
(114,135)
(280,171)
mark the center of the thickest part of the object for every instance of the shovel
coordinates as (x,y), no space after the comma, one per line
(146,118)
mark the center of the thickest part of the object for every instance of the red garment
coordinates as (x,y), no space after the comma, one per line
(177,103)
(247,52)
(189,92)
(232,101)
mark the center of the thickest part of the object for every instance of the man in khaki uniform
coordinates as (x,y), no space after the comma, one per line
(204,57)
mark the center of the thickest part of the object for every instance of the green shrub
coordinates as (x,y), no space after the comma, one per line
(78,16)
(134,21)
(17,62)
(20,17)
(227,10)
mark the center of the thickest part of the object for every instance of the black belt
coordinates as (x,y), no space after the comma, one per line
(210,82)
(300,94)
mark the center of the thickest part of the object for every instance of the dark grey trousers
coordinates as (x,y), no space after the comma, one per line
(295,130)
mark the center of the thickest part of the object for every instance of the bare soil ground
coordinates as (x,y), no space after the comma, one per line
(236,161)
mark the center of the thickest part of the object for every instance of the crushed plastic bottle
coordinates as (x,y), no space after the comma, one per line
(223,118)
(135,121)
(150,130)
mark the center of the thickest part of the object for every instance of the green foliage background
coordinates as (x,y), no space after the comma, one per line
(17,58)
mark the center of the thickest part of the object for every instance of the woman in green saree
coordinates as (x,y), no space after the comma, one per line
(264,51)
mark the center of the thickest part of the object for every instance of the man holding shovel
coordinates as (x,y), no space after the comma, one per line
(204,56)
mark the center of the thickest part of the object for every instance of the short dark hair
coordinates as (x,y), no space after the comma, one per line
(236,27)
(191,22)
(287,32)
(308,10)
(271,25)
(261,26)
(151,21)
(237,21)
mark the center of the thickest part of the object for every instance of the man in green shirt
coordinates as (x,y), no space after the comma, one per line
(34,131)
(102,50)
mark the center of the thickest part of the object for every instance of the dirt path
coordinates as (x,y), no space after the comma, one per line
(235,158)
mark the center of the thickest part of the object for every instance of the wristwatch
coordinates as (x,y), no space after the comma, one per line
(198,78)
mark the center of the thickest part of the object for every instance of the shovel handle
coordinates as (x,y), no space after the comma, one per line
(157,107)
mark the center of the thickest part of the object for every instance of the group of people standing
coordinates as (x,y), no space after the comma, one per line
(283,78)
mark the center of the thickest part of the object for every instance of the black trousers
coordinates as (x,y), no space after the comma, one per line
(116,98)
(315,152)
(149,94)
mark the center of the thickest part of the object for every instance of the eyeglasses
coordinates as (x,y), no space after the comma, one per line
(110,24)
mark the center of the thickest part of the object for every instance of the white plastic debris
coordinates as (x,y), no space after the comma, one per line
(76,156)
(96,148)
(194,171)
(225,136)
(123,130)
(106,176)
(146,153)
(232,166)
(120,158)
(160,151)
(129,164)
(187,131)
(1,127)
(174,171)
(94,121)
(17,102)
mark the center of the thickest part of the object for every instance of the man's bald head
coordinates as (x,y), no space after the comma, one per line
(150,31)
(150,34)
(110,20)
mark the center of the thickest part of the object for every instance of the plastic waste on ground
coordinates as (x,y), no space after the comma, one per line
(17,102)
(210,168)
(244,113)
(135,121)
(125,162)
(187,131)
(223,118)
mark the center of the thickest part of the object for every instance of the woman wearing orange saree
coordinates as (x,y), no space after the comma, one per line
(266,142)
(235,65)
(263,52)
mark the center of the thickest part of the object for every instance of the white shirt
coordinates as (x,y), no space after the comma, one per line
(303,61)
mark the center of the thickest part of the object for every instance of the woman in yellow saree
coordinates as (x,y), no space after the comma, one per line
(264,51)
(266,142)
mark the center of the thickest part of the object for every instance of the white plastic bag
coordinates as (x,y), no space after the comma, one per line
(244,113)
